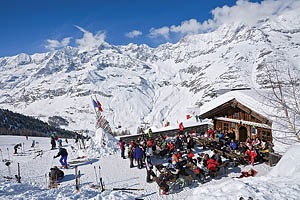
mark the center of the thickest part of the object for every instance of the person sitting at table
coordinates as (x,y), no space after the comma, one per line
(190,156)
(256,141)
(212,166)
(242,148)
(233,145)
(178,143)
(216,157)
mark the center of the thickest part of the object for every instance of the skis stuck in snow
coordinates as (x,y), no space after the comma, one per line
(100,185)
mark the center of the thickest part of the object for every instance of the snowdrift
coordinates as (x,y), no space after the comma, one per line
(283,182)
(102,144)
(289,165)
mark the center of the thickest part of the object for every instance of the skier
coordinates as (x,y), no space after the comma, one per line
(64,156)
(33,144)
(53,142)
(149,168)
(16,147)
(122,147)
(59,142)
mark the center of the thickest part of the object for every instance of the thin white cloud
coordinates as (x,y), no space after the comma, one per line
(244,11)
(133,34)
(55,44)
(163,31)
(89,40)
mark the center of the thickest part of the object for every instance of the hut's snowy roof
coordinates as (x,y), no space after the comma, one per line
(253,99)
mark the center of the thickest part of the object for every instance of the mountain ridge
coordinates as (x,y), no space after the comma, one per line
(137,83)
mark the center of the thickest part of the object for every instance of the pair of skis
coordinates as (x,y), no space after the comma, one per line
(18,176)
(100,184)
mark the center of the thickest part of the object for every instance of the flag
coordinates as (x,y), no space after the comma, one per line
(99,106)
(94,103)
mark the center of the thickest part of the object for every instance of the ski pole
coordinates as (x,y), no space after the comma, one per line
(8,154)
(1,155)
(96,175)
(100,179)
(76,180)
(46,180)
(19,174)
(79,177)
(23,148)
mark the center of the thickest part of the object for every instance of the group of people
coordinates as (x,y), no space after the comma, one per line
(180,153)
(254,149)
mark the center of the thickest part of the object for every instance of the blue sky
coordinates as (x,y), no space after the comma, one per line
(31,26)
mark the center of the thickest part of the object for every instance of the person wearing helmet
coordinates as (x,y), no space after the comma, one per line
(64,156)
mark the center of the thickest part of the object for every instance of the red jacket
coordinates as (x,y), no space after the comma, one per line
(212,165)
(150,143)
(122,144)
(190,155)
(251,153)
(171,146)
(181,127)
(210,132)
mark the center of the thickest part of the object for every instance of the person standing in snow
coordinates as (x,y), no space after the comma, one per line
(16,147)
(64,156)
(53,142)
(138,155)
(130,155)
(122,147)
(181,128)
(59,142)
(197,118)
(149,168)
(251,155)
(150,133)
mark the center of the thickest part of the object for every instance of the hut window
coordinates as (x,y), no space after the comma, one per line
(225,127)
(232,125)
(236,115)
(266,136)
(253,130)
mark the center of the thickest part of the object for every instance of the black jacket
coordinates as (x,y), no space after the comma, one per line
(56,174)
(62,152)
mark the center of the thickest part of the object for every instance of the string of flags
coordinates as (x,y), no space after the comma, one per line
(101,121)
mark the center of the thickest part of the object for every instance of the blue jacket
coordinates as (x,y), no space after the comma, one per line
(233,145)
(138,153)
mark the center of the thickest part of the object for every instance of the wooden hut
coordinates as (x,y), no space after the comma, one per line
(242,120)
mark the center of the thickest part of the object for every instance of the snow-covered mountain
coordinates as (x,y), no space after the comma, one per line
(136,83)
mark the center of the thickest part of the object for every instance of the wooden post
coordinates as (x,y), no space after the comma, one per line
(19,174)
(76,180)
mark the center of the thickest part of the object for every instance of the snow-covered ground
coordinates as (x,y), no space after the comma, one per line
(279,184)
